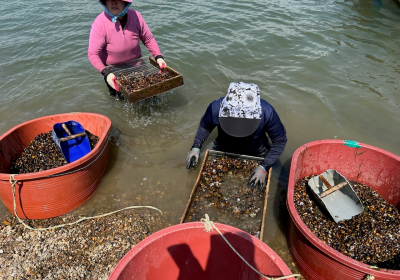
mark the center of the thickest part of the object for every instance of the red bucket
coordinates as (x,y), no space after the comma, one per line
(186,251)
(57,191)
(369,165)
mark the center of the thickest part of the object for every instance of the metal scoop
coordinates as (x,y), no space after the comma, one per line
(336,195)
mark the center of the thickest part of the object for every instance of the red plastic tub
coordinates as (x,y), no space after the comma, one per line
(57,191)
(369,165)
(186,251)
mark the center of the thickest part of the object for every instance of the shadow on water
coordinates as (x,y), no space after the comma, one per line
(114,141)
(280,211)
(283,219)
(281,216)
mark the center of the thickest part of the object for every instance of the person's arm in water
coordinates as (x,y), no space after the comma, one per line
(206,126)
(277,133)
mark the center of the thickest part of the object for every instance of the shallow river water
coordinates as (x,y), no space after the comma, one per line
(331,69)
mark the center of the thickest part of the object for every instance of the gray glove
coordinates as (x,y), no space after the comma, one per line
(192,157)
(258,178)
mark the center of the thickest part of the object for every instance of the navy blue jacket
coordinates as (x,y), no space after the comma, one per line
(257,144)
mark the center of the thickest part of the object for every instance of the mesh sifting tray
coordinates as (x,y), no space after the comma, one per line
(221,191)
(141,78)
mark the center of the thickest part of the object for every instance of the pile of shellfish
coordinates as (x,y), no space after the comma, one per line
(223,194)
(372,237)
(43,154)
(138,80)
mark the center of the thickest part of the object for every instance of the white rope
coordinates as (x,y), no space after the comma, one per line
(208,225)
(13,182)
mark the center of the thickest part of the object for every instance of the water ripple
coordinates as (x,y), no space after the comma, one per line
(330,67)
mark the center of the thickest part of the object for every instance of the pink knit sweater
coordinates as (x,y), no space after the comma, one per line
(110,44)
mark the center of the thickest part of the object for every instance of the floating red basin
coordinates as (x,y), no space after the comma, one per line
(54,192)
(369,165)
(186,251)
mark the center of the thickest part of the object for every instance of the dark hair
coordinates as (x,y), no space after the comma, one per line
(103,1)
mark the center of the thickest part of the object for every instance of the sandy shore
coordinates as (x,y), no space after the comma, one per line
(87,250)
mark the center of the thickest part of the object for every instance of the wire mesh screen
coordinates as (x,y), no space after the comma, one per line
(136,67)
(141,78)
(223,193)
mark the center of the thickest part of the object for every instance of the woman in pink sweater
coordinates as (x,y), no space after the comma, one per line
(114,39)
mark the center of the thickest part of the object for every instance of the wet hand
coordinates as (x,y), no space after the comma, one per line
(192,157)
(257,178)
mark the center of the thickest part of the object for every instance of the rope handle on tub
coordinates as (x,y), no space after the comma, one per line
(14,181)
(209,225)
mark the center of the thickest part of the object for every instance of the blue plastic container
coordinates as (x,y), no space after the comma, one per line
(72,149)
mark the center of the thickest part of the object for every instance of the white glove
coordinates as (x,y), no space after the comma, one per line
(161,63)
(110,80)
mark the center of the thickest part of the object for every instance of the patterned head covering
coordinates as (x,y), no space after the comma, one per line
(240,111)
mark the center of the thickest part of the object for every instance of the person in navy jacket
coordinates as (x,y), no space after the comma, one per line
(246,125)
